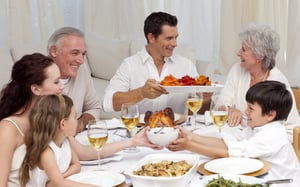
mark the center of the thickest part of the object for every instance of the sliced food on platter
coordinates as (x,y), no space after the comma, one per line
(102,178)
(233,165)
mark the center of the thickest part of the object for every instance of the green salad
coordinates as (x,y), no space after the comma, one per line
(221,182)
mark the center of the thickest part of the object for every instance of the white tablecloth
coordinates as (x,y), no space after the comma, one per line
(129,160)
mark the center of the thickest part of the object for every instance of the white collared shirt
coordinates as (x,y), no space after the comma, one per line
(137,69)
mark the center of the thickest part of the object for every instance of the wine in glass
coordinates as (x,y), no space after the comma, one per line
(130,117)
(218,113)
(194,103)
(97,134)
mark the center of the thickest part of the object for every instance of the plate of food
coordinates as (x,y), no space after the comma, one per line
(231,180)
(234,165)
(174,170)
(165,117)
(102,178)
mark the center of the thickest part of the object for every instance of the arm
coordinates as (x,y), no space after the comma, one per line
(150,90)
(74,165)
(8,144)
(56,178)
(87,152)
(209,146)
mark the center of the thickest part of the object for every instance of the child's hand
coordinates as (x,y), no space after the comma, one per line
(141,139)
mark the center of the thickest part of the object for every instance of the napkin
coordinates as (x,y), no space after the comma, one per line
(102,161)
(114,123)
(208,120)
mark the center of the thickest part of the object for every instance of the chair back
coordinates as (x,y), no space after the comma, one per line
(296,92)
(296,141)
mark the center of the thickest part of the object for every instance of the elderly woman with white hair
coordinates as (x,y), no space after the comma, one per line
(260,45)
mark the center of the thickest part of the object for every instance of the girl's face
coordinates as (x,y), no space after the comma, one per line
(71,123)
(51,84)
(255,117)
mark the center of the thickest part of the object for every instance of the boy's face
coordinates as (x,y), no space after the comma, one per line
(255,117)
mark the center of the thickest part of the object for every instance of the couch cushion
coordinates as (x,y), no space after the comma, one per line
(18,51)
(6,66)
(105,55)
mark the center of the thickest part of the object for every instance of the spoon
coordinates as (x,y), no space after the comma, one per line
(279,181)
(159,130)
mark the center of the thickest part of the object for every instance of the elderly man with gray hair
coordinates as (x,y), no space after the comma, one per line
(67,48)
(260,45)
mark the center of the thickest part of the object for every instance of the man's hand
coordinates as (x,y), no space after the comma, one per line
(152,89)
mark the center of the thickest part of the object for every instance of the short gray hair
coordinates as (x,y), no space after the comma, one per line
(61,33)
(264,42)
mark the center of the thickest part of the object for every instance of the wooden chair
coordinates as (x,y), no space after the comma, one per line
(296,141)
(296,131)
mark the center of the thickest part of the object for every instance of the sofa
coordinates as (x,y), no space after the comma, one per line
(103,57)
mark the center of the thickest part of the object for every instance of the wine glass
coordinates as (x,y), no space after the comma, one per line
(194,103)
(218,113)
(97,134)
(130,117)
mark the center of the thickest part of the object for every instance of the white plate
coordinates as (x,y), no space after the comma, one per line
(103,178)
(188,89)
(235,178)
(234,165)
(142,116)
(83,139)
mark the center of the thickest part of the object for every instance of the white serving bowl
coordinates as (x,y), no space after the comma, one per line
(149,181)
(163,137)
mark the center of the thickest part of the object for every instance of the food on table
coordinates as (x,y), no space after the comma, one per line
(220,181)
(160,118)
(186,80)
(164,168)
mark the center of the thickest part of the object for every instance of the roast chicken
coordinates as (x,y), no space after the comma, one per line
(160,118)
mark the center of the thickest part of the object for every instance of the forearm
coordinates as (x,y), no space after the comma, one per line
(208,150)
(111,148)
(132,96)
(207,141)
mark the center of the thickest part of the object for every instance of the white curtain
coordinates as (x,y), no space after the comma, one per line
(235,14)
(210,26)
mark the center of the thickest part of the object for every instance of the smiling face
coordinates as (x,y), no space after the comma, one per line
(255,116)
(248,59)
(52,84)
(69,55)
(165,43)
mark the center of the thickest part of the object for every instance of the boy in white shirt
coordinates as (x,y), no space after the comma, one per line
(268,104)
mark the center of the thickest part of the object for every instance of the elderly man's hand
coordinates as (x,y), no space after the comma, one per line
(152,89)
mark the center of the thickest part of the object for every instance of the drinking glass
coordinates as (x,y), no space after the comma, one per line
(218,113)
(130,117)
(194,103)
(97,134)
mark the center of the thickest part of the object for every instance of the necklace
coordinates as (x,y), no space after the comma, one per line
(253,81)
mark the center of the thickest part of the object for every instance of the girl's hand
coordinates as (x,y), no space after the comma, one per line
(141,139)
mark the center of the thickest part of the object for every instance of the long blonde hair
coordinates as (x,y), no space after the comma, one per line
(44,118)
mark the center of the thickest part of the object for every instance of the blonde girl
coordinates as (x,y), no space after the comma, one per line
(49,158)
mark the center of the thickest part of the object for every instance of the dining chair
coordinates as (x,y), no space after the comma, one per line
(296,92)
(296,141)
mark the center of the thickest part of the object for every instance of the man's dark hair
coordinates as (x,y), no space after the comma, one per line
(154,22)
(271,95)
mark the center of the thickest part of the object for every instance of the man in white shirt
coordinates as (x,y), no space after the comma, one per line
(136,80)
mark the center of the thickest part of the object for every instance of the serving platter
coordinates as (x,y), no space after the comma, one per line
(103,178)
(266,166)
(190,89)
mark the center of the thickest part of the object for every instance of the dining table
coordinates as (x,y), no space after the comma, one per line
(126,161)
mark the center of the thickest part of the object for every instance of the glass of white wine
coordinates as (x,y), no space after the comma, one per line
(194,103)
(130,117)
(218,113)
(97,134)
